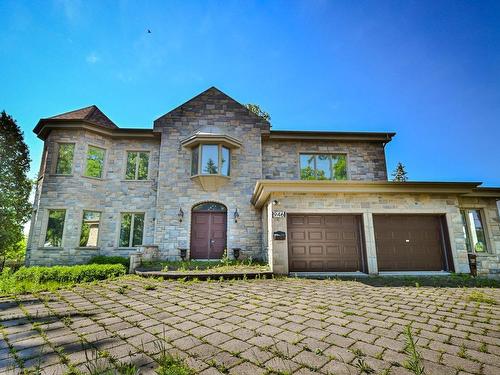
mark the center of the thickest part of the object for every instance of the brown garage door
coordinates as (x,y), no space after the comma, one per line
(325,243)
(410,242)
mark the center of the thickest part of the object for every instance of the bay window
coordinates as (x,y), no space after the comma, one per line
(210,159)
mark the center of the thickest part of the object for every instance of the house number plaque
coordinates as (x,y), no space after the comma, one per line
(278,214)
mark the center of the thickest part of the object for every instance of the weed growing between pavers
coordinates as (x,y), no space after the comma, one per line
(414,361)
(480,297)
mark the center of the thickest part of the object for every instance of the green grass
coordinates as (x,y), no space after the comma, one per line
(451,281)
(196,266)
(40,279)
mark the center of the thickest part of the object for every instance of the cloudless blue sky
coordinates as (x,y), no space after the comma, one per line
(428,70)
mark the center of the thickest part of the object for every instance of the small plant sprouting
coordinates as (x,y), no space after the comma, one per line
(364,368)
(414,361)
(483,348)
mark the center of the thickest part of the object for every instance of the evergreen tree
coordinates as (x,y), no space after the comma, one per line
(399,173)
(15,187)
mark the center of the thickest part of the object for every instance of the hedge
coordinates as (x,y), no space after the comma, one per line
(103,259)
(69,274)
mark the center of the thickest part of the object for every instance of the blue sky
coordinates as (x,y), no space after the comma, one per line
(429,70)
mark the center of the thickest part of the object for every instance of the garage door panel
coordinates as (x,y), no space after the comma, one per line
(331,243)
(315,235)
(314,220)
(297,220)
(409,242)
(315,250)
(298,235)
(298,250)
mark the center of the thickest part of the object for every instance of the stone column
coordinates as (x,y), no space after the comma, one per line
(371,251)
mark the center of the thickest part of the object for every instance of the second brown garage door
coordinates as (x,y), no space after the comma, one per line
(410,243)
(325,243)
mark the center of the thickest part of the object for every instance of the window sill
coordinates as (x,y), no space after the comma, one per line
(148,180)
(127,248)
(60,175)
(93,178)
(211,182)
(87,248)
(50,248)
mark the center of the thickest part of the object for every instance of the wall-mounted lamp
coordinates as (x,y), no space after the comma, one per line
(275,202)
(180,214)
(236,215)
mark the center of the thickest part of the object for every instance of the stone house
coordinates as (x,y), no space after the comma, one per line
(211,176)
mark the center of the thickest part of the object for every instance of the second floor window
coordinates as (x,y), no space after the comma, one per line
(323,167)
(131,229)
(473,231)
(90,228)
(137,165)
(210,159)
(64,163)
(95,162)
(55,228)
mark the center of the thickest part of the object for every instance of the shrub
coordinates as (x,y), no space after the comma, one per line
(103,259)
(69,274)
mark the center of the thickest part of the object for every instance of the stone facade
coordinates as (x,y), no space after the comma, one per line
(170,188)
(368,204)
(177,190)
(74,193)
(365,160)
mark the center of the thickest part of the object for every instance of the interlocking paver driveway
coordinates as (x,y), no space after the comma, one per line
(251,327)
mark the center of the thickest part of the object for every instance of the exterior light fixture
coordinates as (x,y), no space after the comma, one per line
(180,215)
(275,202)
(236,215)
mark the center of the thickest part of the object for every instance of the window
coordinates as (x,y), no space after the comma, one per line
(323,167)
(95,162)
(65,158)
(137,165)
(214,159)
(90,228)
(55,227)
(473,231)
(131,230)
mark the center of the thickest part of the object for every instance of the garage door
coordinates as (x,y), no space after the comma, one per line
(410,242)
(325,243)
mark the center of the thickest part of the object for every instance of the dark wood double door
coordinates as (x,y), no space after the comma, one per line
(208,234)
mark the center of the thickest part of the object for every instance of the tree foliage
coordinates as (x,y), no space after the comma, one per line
(400,174)
(255,108)
(15,186)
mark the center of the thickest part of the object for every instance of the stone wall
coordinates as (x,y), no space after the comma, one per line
(368,204)
(110,195)
(177,190)
(365,160)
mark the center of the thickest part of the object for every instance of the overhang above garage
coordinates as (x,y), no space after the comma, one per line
(264,188)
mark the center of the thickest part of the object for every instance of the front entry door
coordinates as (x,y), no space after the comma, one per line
(208,235)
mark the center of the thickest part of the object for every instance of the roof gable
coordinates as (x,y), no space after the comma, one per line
(216,98)
(90,114)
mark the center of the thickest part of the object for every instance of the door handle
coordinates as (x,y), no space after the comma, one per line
(212,242)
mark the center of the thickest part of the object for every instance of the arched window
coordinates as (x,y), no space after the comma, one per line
(209,207)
